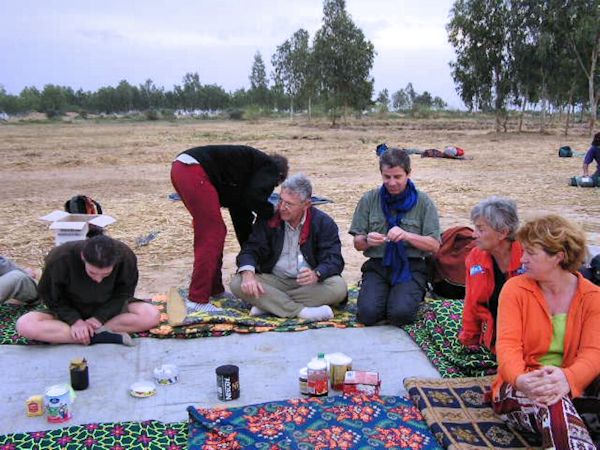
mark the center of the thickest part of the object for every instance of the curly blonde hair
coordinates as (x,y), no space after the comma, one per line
(553,234)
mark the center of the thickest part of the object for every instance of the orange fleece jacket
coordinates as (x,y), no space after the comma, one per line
(525,331)
(478,327)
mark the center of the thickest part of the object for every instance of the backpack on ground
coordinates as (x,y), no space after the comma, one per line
(82,204)
(565,152)
(448,269)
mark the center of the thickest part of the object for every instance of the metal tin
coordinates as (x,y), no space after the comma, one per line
(303,380)
(79,374)
(57,401)
(228,382)
(339,364)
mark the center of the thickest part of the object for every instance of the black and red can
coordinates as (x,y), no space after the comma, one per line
(228,382)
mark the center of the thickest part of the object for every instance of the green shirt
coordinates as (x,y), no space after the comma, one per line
(554,357)
(422,219)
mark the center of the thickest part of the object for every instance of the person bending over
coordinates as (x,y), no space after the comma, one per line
(291,264)
(88,287)
(593,154)
(207,178)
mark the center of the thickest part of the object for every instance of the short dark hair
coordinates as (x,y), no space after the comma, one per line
(101,251)
(395,157)
(282,166)
(596,140)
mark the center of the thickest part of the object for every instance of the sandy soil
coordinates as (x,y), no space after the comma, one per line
(125,166)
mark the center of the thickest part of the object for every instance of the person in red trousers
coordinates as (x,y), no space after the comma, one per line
(236,177)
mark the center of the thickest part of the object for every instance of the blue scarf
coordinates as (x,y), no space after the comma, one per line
(394,208)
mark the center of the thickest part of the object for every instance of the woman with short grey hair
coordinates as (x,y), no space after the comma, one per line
(500,213)
(495,258)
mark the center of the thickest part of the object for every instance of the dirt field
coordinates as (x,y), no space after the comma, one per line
(125,166)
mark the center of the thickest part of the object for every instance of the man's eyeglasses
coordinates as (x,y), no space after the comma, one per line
(288,205)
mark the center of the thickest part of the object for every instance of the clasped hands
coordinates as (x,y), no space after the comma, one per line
(395,234)
(545,386)
(252,286)
(82,331)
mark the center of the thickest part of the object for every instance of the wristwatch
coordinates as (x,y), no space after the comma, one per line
(318,274)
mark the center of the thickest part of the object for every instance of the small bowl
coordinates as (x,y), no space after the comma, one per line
(142,389)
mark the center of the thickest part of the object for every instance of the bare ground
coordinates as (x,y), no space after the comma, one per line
(125,166)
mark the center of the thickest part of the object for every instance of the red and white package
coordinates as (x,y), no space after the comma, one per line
(361,381)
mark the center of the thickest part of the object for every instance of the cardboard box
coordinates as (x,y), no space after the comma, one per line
(363,382)
(74,227)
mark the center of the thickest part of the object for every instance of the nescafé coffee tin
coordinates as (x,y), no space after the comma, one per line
(228,382)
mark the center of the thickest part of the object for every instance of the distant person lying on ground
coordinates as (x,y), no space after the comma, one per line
(17,283)
(88,287)
(397,227)
(448,153)
(548,339)
(593,154)
(291,264)
(495,259)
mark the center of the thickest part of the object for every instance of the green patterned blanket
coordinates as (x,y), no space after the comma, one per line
(234,318)
(147,435)
(436,332)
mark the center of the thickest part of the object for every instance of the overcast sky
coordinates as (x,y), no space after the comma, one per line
(88,44)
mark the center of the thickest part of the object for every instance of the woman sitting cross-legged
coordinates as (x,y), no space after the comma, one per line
(548,337)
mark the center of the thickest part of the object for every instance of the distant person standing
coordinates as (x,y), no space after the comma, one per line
(207,178)
(593,154)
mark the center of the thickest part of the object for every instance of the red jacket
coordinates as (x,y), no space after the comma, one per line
(525,333)
(478,323)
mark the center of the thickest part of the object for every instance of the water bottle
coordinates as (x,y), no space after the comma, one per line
(317,377)
(302,264)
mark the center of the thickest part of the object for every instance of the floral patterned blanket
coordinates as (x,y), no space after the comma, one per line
(339,422)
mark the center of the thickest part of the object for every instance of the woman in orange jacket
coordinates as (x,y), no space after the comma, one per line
(496,258)
(548,338)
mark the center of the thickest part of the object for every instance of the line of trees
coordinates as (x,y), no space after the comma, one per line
(408,99)
(333,72)
(515,53)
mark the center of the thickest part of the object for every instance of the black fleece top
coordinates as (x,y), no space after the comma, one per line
(68,291)
(243,176)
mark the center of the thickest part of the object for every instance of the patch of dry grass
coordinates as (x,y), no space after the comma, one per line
(125,166)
